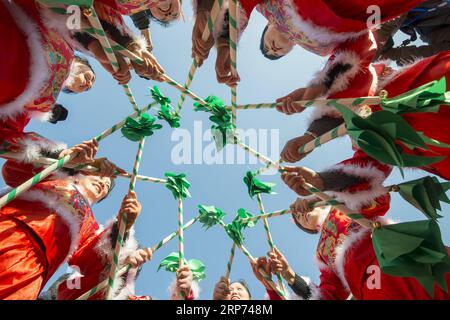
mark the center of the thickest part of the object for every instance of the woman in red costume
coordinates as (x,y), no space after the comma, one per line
(432,124)
(53,221)
(345,254)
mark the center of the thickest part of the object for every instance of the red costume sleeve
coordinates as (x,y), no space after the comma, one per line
(273,295)
(27,145)
(330,287)
(90,263)
(371,175)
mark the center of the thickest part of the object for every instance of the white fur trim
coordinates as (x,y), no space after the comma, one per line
(41,116)
(174,295)
(361,198)
(341,250)
(38,68)
(32,149)
(127,287)
(341,82)
(314,32)
(51,202)
(105,250)
(220,21)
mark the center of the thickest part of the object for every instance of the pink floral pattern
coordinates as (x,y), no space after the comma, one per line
(335,229)
(129,7)
(275,10)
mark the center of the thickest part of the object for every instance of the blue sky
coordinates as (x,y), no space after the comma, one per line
(219,185)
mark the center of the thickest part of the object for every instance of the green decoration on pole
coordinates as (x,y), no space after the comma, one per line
(211,101)
(159,97)
(172,118)
(427,98)
(245,218)
(223,128)
(255,186)
(379,136)
(136,130)
(413,249)
(209,216)
(178,184)
(171,264)
(425,194)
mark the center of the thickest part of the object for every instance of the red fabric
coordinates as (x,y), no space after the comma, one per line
(23,264)
(91,264)
(362,256)
(342,16)
(15,59)
(433,125)
(331,287)
(364,48)
(273,295)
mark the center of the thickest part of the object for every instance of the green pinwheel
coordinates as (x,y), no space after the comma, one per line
(235,228)
(135,130)
(223,128)
(159,97)
(172,118)
(425,194)
(171,264)
(210,216)
(178,184)
(255,186)
(427,98)
(234,231)
(211,102)
(243,215)
(413,249)
(380,135)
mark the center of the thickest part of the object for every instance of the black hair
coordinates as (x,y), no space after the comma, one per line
(111,188)
(303,228)
(59,113)
(263,49)
(84,62)
(245,285)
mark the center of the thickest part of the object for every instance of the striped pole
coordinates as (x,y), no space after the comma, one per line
(182,89)
(251,259)
(14,193)
(230,261)
(180,239)
(120,124)
(91,15)
(268,166)
(258,155)
(123,225)
(269,237)
(187,84)
(49,161)
(60,163)
(348,102)
(233,55)
(326,137)
(206,33)
(124,269)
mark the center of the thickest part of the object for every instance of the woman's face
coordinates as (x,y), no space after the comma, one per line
(238,292)
(276,43)
(82,80)
(309,220)
(95,188)
(166,10)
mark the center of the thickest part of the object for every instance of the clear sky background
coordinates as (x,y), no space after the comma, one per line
(219,185)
